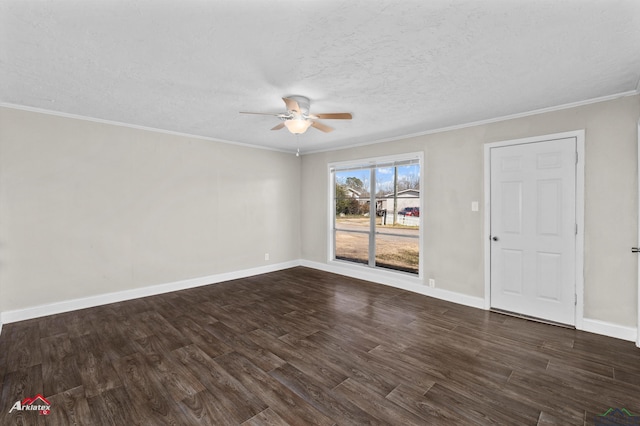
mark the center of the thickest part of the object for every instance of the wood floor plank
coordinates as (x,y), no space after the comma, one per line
(580,364)
(120,342)
(59,367)
(78,324)
(606,351)
(392,365)
(206,341)
(22,418)
(114,407)
(459,362)
(382,314)
(547,419)
(626,376)
(4,343)
(167,335)
(173,376)
(418,404)
(18,385)
(207,408)
(381,408)
(266,418)
(609,390)
(321,398)
(282,400)
(556,387)
(262,357)
(514,357)
(302,323)
(350,364)
(540,399)
(54,324)
(231,394)
(315,368)
(473,379)
(152,401)
(444,395)
(23,346)
(200,312)
(69,408)
(304,347)
(264,319)
(128,308)
(234,322)
(445,367)
(95,367)
(337,341)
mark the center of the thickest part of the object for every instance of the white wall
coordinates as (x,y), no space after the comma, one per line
(88,208)
(453,178)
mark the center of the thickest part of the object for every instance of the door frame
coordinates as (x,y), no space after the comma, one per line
(579,266)
(638,305)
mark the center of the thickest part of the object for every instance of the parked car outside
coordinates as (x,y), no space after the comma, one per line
(410,211)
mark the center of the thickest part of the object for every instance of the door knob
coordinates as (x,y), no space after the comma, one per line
(495,238)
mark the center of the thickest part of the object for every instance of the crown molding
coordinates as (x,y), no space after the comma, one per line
(636,91)
(488,121)
(135,126)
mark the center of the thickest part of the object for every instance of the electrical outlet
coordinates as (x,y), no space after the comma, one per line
(266,256)
(432,282)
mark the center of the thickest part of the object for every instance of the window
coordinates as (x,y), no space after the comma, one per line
(376,213)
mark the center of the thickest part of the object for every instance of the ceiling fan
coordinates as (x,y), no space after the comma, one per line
(297,119)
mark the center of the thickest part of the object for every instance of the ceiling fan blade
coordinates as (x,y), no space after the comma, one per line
(278,127)
(321,127)
(262,113)
(335,116)
(292,105)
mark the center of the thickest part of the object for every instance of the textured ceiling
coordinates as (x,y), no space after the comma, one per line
(401,67)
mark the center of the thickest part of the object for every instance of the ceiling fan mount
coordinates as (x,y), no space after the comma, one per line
(297,119)
(303,104)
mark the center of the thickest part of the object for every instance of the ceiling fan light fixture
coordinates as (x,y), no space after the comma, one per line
(297,126)
(297,118)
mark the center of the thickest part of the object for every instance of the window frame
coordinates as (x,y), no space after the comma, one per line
(373,164)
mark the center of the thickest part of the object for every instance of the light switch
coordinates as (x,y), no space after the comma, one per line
(474,206)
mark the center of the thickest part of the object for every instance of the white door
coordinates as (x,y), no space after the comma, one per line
(533,229)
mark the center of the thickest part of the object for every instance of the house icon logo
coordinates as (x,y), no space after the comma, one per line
(38,403)
(617,416)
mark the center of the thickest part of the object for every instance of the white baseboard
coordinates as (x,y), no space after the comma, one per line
(394,279)
(377,276)
(415,285)
(609,329)
(120,296)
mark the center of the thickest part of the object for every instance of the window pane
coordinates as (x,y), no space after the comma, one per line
(398,199)
(352,199)
(352,246)
(399,253)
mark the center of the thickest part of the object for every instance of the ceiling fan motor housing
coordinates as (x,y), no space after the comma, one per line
(303,103)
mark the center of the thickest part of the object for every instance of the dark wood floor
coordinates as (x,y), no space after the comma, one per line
(305,347)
